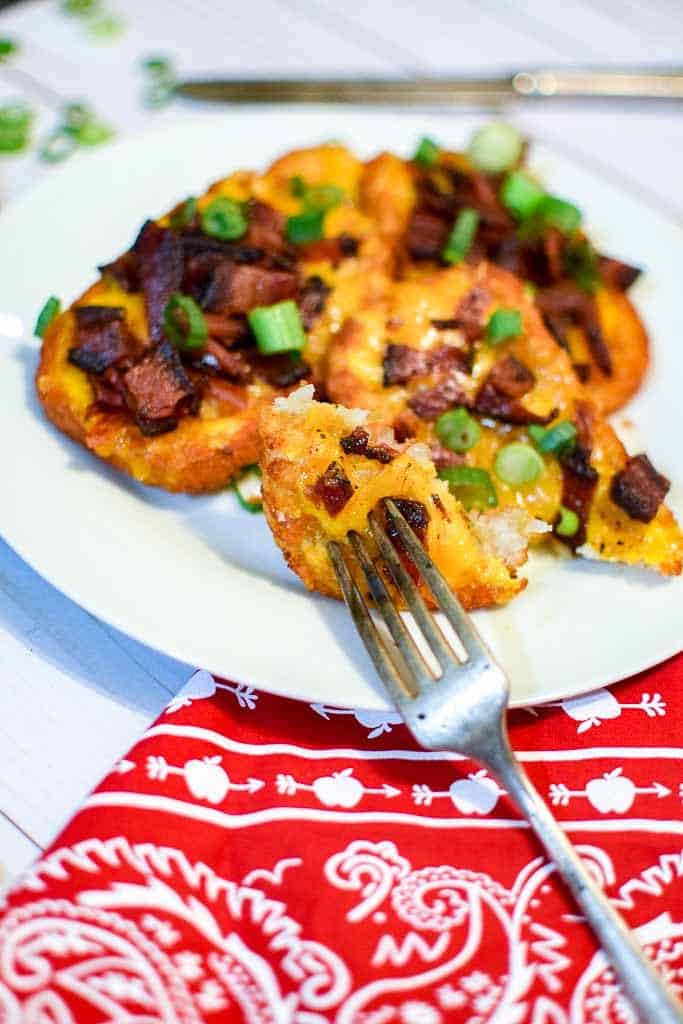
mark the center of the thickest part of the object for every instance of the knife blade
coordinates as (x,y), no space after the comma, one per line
(543,84)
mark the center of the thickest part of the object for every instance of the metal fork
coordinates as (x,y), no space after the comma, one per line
(463,710)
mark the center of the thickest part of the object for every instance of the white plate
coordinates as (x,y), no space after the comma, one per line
(200,579)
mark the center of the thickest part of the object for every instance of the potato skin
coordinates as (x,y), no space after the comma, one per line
(628,344)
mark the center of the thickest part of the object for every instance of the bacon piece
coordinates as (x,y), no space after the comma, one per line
(358,443)
(471,311)
(103,339)
(429,403)
(617,274)
(124,271)
(160,259)
(444,458)
(332,489)
(332,249)
(553,249)
(232,364)
(224,391)
(266,227)
(228,330)
(401,362)
(312,300)
(109,390)
(427,235)
(197,244)
(579,478)
(511,377)
(417,517)
(639,489)
(236,288)
(405,426)
(282,370)
(566,299)
(158,390)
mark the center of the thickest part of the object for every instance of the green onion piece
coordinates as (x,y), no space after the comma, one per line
(472,487)
(503,324)
(461,236)
(7,48)
(107,27)
(158,94)
(305,227)
(427,152)
(81,8)
(15,126)
(57,147)
(521,195)
(553,440)
(297,186)
(496,147)
(517,464)
(567,523)
(277,328)
(323,197)
(158,67)
(560,214)
(223,218)
(247,489)
(94,133)
(581,263)
(457,430)
(184,214)
(184,323)
(50,310)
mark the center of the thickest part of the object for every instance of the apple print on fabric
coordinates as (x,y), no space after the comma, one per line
(477,794)
(612,792)
(205,778)
(340,789)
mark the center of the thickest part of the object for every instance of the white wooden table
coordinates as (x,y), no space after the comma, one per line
(75,693)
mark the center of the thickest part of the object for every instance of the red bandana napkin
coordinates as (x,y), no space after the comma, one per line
(259,859)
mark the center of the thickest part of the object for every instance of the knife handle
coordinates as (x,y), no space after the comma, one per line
(634,84)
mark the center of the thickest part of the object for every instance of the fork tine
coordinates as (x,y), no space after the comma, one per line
(392,620)
(411,595)
(448,604)
(398,689)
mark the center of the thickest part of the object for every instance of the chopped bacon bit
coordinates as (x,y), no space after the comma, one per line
(282,370)
(312,300)
(558,326)
(103,339)
(553,248)
(224,391)
(401,363)
(617,274)
(417,517)
(124,271)
(158,390)
(511,377)
(449,324)
(444,458)
(160,258)
(332,489)
(357,443)
(579,478)
(427,235)
(334,250)
(639,489)
(348,245)
(584,420)
(195,244)
(237,288)
(228,330)
(566,299)
(232,364)
(429,403)
(582,371)
(108,390)
(266,227)
(405,426)
(471,312)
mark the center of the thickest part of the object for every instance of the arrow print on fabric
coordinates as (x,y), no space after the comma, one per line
(592,709)
(205,778)
(612,792)
(203,685)
(377,722)
(340,789)
(477,794)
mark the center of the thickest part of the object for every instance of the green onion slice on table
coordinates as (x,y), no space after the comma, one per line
(247,489)
(184,323)
(462,235)
(517,464)
(457,430)
(277,328)
(472,487)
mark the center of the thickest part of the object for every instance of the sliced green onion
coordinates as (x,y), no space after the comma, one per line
(158,94)
(503,324)
(15,126)
(297,186)
(277,328)
(553,440)
(427,152)
(567,523)
(306,226)
(184,323)
(107,27)
(7,48)
(472,487)
(559,213)
(316,197)
(496,147)
(223,218)
(184,214)
(581,263)
(159,67)
(94,133)
(81,8)
(517,464)
(57,147)
(521,195)
(50,310)
(457,430)
(247,489)
(461,236)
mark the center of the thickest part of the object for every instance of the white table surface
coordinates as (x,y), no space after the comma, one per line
(75,693)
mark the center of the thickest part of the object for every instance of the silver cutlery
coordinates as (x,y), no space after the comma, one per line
(622,84)
(462,709)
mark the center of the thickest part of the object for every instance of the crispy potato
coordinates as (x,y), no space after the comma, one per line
(301,438)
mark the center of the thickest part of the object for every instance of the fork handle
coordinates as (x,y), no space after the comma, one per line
(649,995)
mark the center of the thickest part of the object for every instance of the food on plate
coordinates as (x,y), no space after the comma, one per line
(325,468)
